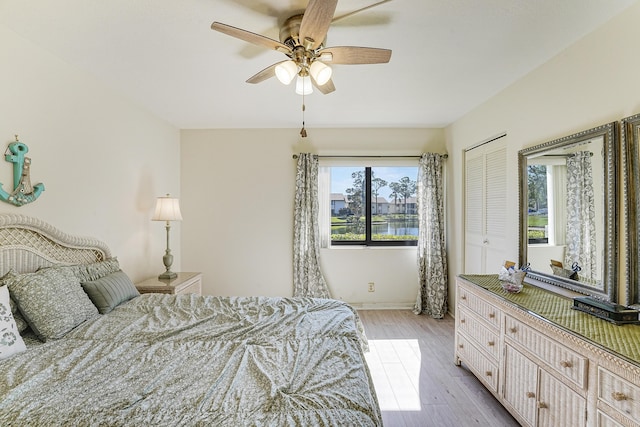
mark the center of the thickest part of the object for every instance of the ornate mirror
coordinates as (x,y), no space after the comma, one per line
(568,211)
(631,143)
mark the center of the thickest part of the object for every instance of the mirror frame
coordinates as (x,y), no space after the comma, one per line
(631,169)
(609,132)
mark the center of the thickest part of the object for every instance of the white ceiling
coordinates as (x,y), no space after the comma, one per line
(448,57)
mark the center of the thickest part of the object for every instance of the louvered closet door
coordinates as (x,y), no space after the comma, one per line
(474,254)
(485,207)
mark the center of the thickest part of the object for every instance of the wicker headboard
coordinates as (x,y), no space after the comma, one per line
(27,244)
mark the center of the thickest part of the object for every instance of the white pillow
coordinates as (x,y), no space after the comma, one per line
(10,340)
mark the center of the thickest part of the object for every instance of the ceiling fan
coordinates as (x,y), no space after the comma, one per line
(302,40)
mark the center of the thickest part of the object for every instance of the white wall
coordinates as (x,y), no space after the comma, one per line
(102,159)
(237,202)
(591,83)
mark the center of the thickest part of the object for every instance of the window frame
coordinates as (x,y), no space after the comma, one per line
(368,241)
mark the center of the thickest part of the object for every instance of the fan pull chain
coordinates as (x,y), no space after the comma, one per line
(303,131)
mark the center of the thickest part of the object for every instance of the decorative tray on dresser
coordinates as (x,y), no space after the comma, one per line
(548,364)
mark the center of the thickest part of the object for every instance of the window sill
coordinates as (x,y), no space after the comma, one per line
(362,247)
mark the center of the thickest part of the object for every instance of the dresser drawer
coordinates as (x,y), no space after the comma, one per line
(619,393)
(484,338)
(482,308)
(485,369)
(567,363)
(606,421)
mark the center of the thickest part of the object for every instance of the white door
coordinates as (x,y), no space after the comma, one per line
(486,207)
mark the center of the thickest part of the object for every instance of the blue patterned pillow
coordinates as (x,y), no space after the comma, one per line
(10,340)
(110,291)
(51,300)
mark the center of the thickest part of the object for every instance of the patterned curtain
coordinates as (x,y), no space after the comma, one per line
(432,259)
(581,214)
(307,277)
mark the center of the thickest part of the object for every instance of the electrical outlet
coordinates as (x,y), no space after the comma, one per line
(372,287)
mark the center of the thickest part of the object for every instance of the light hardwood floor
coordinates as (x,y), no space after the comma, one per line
(416,381)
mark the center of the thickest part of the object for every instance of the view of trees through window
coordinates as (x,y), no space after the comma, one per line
(374,205)
(538,204)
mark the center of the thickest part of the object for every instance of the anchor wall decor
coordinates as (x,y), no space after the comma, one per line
(23,192)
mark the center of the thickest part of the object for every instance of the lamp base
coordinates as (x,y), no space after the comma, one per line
(168,275)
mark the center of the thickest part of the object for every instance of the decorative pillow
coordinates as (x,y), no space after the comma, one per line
(110,291)
(17,316)
(52,301)
(96,270)
(10,340)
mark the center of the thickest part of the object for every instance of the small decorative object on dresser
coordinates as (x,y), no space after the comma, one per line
(184,283)
(511,278)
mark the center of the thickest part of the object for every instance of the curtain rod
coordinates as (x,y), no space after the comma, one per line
(295,156)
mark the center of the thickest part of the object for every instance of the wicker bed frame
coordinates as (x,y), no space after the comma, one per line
(27,244)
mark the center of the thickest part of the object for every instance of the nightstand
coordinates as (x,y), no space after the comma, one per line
(185,283)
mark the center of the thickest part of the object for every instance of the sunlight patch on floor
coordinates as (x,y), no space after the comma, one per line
(395,369)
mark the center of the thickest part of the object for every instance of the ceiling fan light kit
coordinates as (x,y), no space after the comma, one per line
(286,71)
(303,85)
(320,72)
(302,40)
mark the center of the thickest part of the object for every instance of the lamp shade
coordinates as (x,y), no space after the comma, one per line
(167,209)
(303,85)
(286,71)
(320,72)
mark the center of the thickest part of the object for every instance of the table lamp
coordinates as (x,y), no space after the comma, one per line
(167,209)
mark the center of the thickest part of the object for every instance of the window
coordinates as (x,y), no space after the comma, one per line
(373,205)
(538,213)
(547,196)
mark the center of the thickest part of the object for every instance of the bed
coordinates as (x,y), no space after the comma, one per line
(167,360)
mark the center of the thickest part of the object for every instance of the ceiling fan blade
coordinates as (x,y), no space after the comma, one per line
(362,9)
(250,37)
(355,55)
(316,20)
(326,88)
(265,74)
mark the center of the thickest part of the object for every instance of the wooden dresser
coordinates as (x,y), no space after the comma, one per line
(185,283)
(547,364)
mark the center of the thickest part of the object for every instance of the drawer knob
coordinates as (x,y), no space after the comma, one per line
(488,373)
(460,345)
(531,394)
(566,364)
(542,405)
(491,343)
(462,320)
(463,297)
(616,395)
(513,329)
(492,315)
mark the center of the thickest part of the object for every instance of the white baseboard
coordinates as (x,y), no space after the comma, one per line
(381,306)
